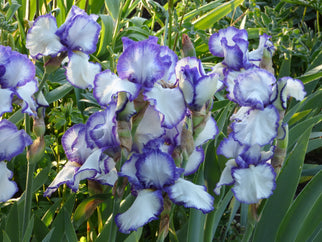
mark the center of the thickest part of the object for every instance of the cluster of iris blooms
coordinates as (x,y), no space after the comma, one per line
(156,116)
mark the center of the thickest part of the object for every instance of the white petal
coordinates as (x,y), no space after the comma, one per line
(156,169)
(230,148)
(41,38)
(169,102)
(194,160)
(209,132)
(190,195)
(146,207)
(80,72)
(7,188)
(148,129)
(108,172)
(253,183)
(88,170)
(5,100)
(254,88)
(65,176)
(25,92)
(129,170)
(108,85)
(82,34)
(291,88)
(225,178)
(257,126)
(206,89)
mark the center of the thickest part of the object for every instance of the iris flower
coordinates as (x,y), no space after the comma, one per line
(13,142)
(77,37)
(16,82)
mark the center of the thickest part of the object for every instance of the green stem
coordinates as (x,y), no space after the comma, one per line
(318,21)
(170,9)
(28,197)
(113,228)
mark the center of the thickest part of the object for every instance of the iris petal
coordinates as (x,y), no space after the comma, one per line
(253,183)
(7,188)
(190,195)
(146,207)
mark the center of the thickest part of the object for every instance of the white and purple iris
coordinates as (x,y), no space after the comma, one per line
(78,37)
(256,123)
(90,149)
(13,142)
(16,83)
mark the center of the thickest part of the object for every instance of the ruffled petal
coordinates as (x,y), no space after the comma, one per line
(169,102)
(141,64)
(6,96)
(156,169)
(194,161)
(264,43)
(80,72)
(209,132)
(236,55)
(108,172)
(292,88)
(190,195)
(65,176)
(148,129)
(14,76)
(206,88)
(231,34)
(254,88)
(169,59)
(42,39)
(129,170)
(256,126)
(26,92)
(74,144)
(230,148)
(225,178)
(253,183)
(12,140)
(146,207)
(8,188)
(102,129)
(81,34)
(188,71)
(108,85)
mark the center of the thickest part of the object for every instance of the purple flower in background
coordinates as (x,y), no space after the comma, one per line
(19,82)
(78,36)
(13,142)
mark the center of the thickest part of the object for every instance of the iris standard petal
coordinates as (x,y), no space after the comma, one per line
(75,145)
(80,72)
(205,89)
(253,183)
(254,88)
(81,34)
(230,148)
(169,102)
(8,188)
(41,39)
(146,207)
(291,88)
(107,85)
(209,132)
(141,64)
(190,195)
(148,129)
